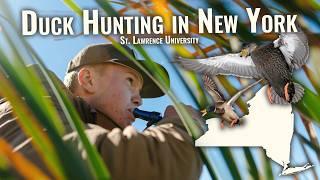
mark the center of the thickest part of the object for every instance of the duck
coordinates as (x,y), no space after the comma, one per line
(273,62)
(221,107)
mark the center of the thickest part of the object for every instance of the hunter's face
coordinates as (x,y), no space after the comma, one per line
(118,93)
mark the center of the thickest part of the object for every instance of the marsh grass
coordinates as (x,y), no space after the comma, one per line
(64,162)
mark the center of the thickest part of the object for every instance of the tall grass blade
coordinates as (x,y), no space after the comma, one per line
(30,125)
(252,167)
(97,166)
(266,165)
(21,164)
(230,162)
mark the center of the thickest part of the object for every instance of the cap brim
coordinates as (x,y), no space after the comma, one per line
(150,88)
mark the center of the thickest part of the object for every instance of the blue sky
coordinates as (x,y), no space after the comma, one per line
(57,51)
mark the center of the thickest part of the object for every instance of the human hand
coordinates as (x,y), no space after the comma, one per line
(195,114)
(171,112)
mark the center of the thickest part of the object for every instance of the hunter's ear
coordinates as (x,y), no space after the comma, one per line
(86,80)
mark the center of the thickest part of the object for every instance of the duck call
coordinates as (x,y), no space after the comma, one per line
(152,117)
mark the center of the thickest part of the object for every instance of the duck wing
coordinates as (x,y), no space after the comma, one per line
(228,64)
(211,87)
(294,47)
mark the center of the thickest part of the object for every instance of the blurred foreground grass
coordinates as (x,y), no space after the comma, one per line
(64,162)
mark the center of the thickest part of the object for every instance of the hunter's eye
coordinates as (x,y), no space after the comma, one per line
(130,80)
